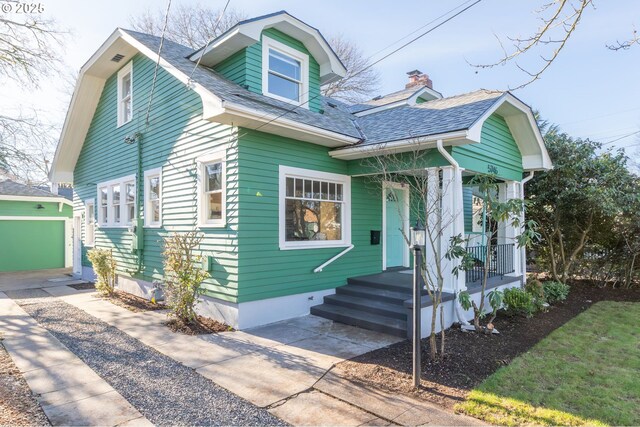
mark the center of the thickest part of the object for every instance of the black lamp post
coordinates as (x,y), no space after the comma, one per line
(418,241)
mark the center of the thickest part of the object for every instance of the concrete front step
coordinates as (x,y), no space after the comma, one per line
(362,319)
(364,291)
(368,305)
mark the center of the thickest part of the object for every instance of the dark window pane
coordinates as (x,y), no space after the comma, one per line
(299,185)
(307,188)
(316,189)
(312,220)
(339,192)
(332,191)
(214,176)
(324,191)
(290,183)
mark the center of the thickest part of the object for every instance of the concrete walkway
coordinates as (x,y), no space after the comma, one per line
(69,392)
(283,367)
(36,279)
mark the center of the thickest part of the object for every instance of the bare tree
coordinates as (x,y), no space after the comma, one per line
(195,25)
(426,188)
(361,79)
(29,52)
(191,25)
(627,44)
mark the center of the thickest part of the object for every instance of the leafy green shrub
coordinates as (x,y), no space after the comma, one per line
(183,274)
(555,292)
(519,302)
(535,288)
(105,268)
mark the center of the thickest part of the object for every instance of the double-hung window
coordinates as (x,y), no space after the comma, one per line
(153,198)
(89,222)
(212,191)
(285,72)
(125,94)
(315,209)
(116,200)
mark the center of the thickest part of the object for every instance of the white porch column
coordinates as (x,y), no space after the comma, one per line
(510,190)
(452,217)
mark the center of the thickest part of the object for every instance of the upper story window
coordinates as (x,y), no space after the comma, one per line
(115,205)
(125,94)
(285,73)
(212,193)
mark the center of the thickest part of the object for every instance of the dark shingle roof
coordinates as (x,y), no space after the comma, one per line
(429,118)
(11,188)
(333,119)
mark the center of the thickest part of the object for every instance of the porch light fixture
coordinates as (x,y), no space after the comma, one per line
(418,235)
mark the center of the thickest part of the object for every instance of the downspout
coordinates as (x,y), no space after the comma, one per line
(523,250)
(456,167)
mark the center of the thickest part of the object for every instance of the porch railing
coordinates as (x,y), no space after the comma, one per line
(500,261)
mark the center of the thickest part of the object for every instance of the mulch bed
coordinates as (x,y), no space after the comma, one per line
(132,302)
(83,286)
(18,407)
(201,326)
(471,357)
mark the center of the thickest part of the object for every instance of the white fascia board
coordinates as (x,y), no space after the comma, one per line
(87,94)
(400,146)
(524,128)
(249,33)
(315,134)
(36,199)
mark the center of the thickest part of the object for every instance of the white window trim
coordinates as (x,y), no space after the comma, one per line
(269,43)
(147,192)
(127,69)
(87,224)
(211,157)
(345,180)
(123,206)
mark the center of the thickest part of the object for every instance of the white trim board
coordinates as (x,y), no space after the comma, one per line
(33,218)
(36,199)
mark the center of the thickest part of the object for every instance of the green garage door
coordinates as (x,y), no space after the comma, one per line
(31,245)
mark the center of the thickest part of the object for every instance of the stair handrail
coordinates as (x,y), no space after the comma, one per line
(322,266)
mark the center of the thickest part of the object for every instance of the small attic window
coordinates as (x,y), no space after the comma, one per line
(285,73)
(125,94)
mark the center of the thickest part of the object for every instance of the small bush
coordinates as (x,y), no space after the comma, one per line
(554,292)
(183,274)
(105,268)
(536,289)
(519,302)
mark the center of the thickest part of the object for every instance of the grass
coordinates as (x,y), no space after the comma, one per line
(586,372)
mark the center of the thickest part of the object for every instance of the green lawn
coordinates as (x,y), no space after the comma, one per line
(585,373)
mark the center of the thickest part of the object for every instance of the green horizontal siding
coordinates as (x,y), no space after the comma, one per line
(267,271)
(245,66)
(20,208)
(175,136)
(497,151)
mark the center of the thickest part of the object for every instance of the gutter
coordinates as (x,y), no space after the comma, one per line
(456,167)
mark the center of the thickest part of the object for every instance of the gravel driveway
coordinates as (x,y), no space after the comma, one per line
(164,391)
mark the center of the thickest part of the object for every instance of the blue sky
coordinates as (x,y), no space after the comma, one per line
(590,91)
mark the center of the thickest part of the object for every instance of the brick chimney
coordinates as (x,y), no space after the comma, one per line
(416,78)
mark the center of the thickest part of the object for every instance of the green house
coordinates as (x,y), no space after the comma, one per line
(35,228)
(234,140)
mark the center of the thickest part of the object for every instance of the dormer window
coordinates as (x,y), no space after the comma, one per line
(125,92)
(285,72)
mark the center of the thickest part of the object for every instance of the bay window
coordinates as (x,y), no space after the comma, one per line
(315,209)
(116,209)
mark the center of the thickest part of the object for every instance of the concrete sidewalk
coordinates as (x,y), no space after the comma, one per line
(282,367)
(69,392)
(36,279)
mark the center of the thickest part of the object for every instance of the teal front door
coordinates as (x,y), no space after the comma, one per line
(395,244)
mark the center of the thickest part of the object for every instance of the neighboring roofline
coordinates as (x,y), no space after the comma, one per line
(248,32)
(459,137)
(50,199)
(410,101)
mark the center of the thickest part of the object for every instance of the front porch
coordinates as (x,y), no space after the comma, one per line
(383,302)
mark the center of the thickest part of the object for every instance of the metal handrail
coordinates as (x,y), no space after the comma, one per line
(320,267)
(500,261)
